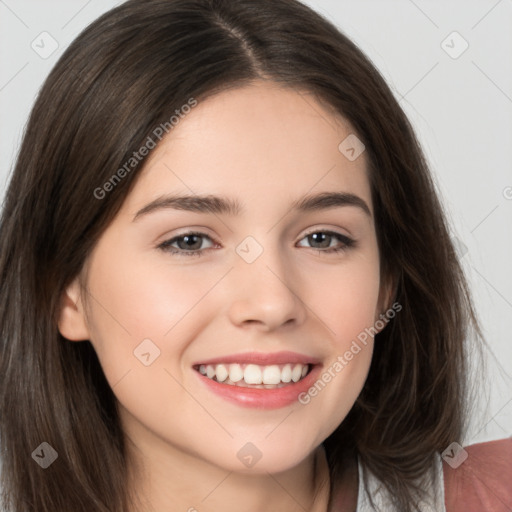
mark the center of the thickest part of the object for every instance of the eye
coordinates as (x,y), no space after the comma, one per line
(324,239)
(188,244)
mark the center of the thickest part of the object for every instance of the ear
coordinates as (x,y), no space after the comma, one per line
(387,293)
(72,324)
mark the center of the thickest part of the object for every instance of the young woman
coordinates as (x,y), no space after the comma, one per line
(227,280)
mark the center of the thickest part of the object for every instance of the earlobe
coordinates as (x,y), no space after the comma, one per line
(72,324)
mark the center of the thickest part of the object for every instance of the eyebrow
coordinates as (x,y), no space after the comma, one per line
(227,206)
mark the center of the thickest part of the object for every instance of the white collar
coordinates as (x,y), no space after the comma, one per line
(381,498)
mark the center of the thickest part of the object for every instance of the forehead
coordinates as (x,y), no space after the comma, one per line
(260,143)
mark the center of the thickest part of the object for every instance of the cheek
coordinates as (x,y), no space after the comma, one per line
(126,308)
(139,326)
(143,316)
(133,300)
(345,297)
(348,310)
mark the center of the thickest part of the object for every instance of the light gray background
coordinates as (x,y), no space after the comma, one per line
(460,107)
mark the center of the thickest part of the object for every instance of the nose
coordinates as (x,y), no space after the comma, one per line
(266,293)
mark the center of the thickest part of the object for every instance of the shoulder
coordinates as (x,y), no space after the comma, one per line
(479,477)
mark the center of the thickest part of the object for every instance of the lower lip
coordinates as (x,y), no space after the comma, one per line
(259,398)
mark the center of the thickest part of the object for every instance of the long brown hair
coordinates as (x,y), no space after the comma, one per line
(120,78)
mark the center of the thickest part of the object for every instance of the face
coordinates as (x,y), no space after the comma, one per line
(272,294)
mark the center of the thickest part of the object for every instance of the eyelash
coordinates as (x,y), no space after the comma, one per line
(166,245)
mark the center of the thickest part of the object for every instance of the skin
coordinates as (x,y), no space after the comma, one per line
(264,146)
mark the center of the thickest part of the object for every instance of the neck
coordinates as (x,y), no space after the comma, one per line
(171,478)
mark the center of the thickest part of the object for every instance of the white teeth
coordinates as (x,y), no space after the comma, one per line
(255,375)
(286,374)
(252,374)
(235,372)
(221,372)
(296,372)
(271,375)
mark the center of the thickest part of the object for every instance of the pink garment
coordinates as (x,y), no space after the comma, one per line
(483,482)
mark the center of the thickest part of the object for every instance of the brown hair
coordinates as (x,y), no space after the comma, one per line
(123,76)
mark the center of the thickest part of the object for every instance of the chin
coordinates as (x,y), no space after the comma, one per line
(262,457)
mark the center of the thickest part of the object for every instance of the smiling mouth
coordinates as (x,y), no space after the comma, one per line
(254,375)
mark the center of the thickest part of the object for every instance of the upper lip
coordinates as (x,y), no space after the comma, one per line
(261,358)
